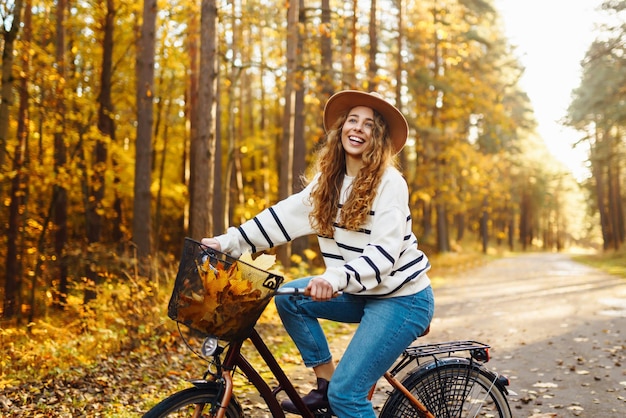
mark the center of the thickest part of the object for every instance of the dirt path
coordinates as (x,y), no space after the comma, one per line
(557,328)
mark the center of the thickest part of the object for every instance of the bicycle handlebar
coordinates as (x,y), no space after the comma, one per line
(282,291)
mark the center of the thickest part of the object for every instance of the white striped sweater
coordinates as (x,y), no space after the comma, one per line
(381,259)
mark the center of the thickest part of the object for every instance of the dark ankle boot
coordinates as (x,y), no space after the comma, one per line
(314,400)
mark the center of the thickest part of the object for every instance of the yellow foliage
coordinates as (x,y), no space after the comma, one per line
(80,335)
(310,254)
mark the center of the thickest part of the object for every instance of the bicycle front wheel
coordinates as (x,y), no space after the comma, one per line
(454,390)
(196,402)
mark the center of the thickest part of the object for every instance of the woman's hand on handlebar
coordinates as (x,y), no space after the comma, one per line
(319,289)
(211,243)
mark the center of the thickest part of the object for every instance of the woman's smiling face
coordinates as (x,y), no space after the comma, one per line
(357,130)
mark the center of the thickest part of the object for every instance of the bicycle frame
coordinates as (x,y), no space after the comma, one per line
(396,384)
(234,359)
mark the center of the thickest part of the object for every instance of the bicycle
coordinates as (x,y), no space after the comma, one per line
(428,380)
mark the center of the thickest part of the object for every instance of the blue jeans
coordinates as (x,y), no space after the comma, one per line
(386,327)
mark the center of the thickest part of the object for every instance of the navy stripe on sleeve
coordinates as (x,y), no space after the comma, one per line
(361,230)
(385,253)
(349,248)
(270,244)
(411,263)
(245,237)
(280,225)
(332,256)
(357,277)
(407,280)
(375,268)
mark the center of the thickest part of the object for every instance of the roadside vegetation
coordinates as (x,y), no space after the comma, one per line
(613,262)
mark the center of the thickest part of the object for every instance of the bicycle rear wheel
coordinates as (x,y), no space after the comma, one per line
(453,390)
(192,402)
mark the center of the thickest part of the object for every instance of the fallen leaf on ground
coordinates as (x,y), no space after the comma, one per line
(545,385)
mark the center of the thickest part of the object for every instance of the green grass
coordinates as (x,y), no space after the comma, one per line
(613,262)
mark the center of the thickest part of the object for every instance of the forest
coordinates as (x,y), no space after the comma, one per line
(126,126)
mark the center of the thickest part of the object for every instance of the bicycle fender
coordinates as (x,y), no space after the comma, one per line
(206,384)
(212,385)
(500,381)
(425,367)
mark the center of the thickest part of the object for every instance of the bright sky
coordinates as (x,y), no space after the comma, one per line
(552,37)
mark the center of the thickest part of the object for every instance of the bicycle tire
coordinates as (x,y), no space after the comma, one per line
(184,403)
(452,389)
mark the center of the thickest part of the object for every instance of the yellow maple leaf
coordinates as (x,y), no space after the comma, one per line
(256,270)
(239,287)
(262,262)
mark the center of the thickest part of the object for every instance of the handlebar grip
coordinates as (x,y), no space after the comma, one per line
(297,291)
(289,291)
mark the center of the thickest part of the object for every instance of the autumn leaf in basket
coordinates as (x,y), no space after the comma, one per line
(262,262)
(255,270)
(231,298)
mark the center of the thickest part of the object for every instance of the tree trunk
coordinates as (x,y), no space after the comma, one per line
(612,204)
(326,76)
(6,88)
(204,141)
(524,221)
(619,207)
(106,126)
(96,187)
(605,225)
(352,79)
(13,261)
(598,167)
(616,213)
(60,156)
(13,279)
(443,239)
(220,222)
(234,187)
(299,147)
(143,144)
(288,130)
(511,233)
(484,226)
(372,68)
(161,171)
(460,226)
(192,114)
(427,224)
(399,69)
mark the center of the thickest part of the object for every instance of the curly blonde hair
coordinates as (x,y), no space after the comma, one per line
(331,164)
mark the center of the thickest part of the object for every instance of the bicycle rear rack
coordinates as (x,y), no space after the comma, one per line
(424,350)
(477,351)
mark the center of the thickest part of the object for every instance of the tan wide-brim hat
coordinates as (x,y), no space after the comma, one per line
(343,101)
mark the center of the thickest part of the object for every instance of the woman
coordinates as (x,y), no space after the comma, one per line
(358,206)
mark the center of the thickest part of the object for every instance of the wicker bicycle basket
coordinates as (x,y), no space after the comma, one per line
(219,295)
